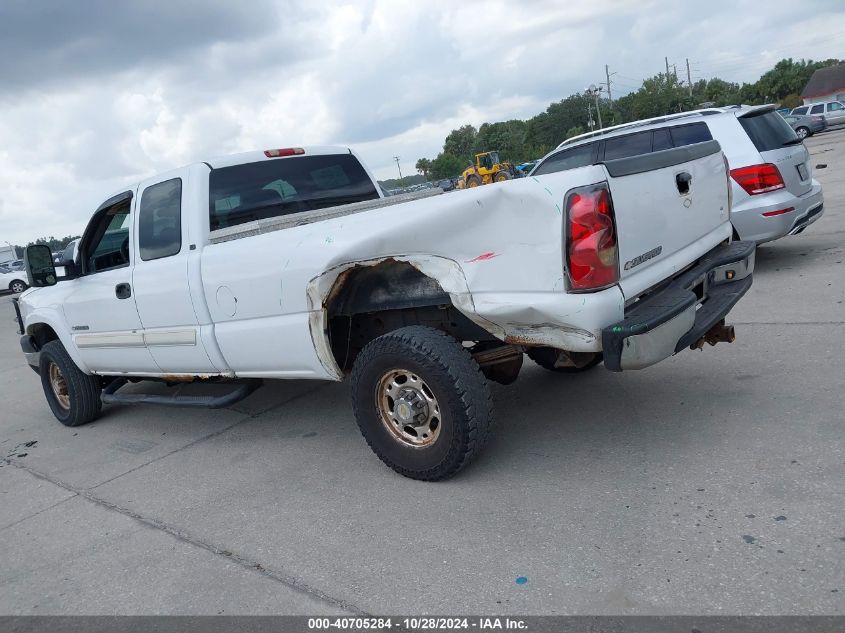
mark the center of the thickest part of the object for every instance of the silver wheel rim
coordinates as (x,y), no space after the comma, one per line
(59,386)
(17,287)
(802,133)
(408,409)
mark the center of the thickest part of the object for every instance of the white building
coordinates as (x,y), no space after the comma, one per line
(7,254)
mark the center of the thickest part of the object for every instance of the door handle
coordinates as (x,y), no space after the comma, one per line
(123,291)
(683,181)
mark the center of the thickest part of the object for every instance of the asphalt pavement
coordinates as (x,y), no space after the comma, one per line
(712,483)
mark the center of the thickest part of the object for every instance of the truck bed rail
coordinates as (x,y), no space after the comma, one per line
(258,227)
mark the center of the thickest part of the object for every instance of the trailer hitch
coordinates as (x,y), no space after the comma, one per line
(719,333)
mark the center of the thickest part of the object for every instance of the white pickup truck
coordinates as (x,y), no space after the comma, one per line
(290,263)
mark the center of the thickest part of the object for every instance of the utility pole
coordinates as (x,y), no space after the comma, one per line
(396,158)
(689,78)
(667,66)
(594,91)
(609,93)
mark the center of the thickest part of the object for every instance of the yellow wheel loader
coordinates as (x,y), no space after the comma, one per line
(486,169)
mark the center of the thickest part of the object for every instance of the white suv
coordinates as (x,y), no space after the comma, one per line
(833,111)
(774,193)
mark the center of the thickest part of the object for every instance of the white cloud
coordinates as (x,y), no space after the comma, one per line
(94,113)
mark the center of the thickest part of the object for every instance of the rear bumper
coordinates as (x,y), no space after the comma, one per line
(752,225)
(806,219)
(681,313)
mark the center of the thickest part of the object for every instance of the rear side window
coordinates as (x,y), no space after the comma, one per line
(690,134)
(572,158)
(662,140)
(160,220)
(625,146)
(768,131)
(282,186)
(817,109)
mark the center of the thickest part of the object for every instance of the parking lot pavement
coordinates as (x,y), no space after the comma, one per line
(709,484)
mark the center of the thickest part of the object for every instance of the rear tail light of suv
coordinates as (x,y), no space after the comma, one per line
(757,179)
(591,250)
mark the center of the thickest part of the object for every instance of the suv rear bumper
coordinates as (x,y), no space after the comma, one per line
(682,312)
(752,225)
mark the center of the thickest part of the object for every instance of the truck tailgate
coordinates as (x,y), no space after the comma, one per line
(671,208)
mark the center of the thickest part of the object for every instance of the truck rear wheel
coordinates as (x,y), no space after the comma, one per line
(502,176)
(545,357)
(421,402)
(473,181)
(73,396)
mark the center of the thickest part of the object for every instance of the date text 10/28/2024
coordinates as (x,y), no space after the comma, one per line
(482,623)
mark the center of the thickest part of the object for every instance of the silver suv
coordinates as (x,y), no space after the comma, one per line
(832,111)
(774,193)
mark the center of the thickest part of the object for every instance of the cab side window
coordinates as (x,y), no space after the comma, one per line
(835,106)
(109,245)
(160,220)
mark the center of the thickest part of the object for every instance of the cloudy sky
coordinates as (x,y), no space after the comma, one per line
(97,94)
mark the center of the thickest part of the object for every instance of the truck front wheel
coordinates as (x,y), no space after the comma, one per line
(421,402)
(73,396)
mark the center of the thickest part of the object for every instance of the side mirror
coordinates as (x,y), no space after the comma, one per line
(40,270)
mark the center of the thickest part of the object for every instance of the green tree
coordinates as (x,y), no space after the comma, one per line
(55,244)
(461,142)
(574,131)
(788,77)
(424,167)
(548,129)
(506,137)
(447,166)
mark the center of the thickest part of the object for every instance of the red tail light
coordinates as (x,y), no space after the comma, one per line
(758,179)
(288,151)
(592,254)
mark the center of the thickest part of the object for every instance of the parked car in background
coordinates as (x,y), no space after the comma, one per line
(447,184)
(805,125)
(833,111)
(14,280)
(774,193)
(526,167)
